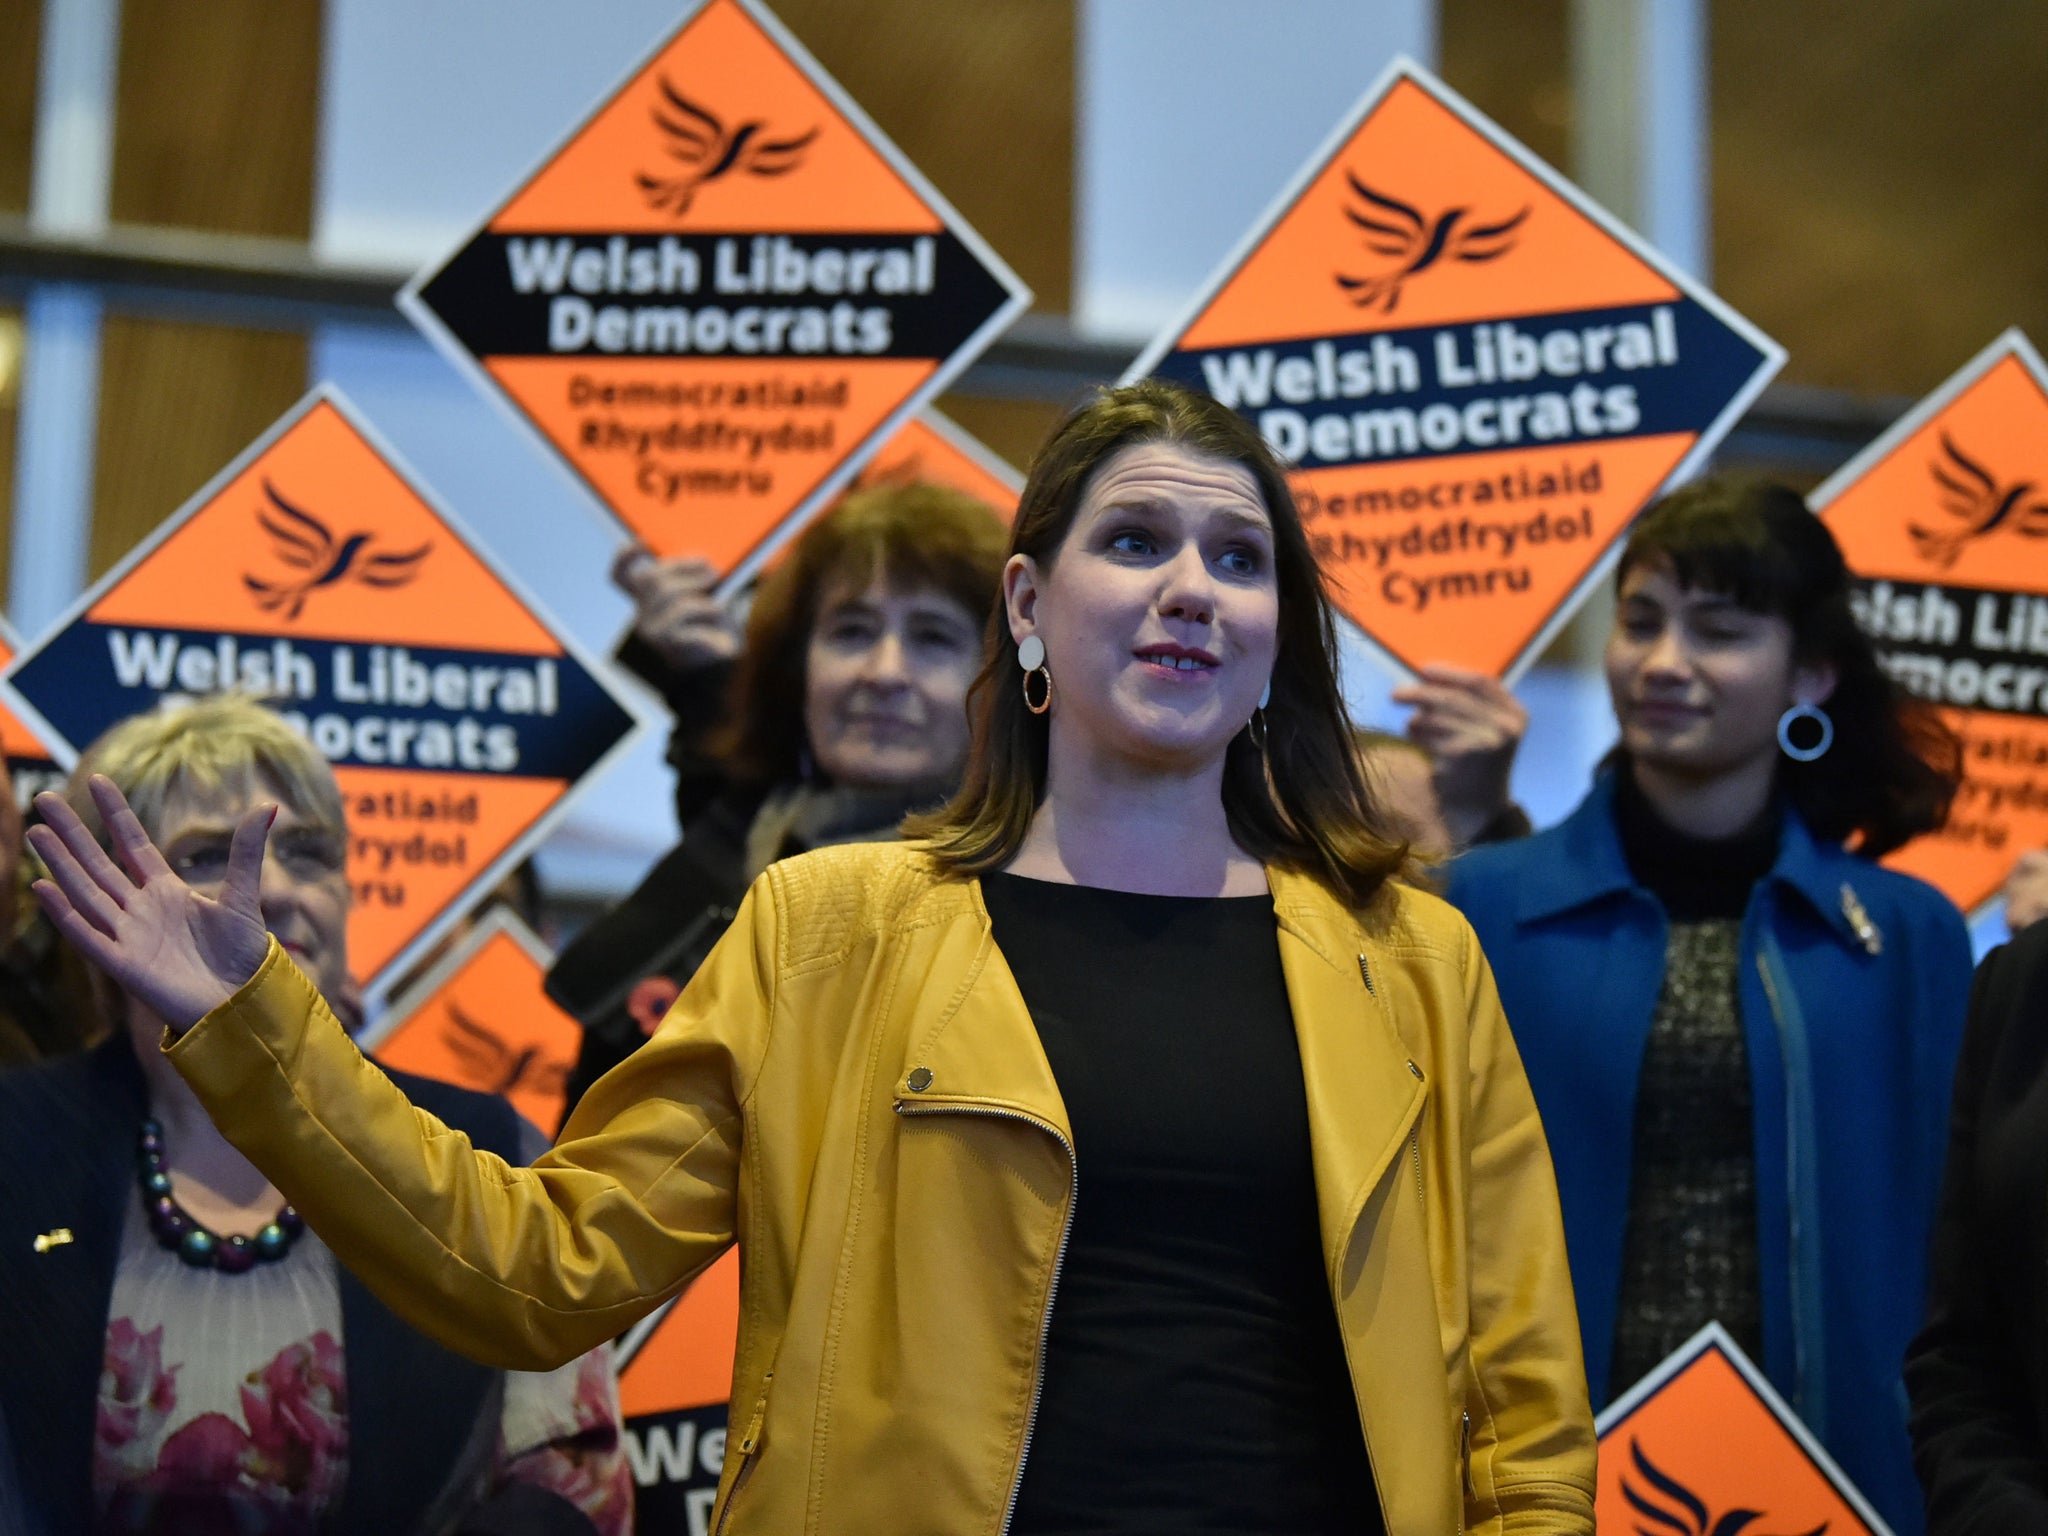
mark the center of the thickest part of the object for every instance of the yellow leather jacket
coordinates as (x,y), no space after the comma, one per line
(852,1089)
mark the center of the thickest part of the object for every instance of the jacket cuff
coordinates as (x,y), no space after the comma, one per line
(241,1037)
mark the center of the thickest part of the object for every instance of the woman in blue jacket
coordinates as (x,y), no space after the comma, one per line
(1740,1032)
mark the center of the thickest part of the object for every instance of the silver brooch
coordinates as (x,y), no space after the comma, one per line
(1867,932)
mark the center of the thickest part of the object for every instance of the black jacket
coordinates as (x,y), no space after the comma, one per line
(683,906)
(1978,1372)
(67,1159)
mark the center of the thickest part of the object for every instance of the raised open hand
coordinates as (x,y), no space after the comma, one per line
(180,953)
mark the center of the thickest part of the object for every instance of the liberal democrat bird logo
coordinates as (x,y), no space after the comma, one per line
(496,1067)
(1977,505)
(1672,1509)
(1401,231)
(707,150)
(308,546)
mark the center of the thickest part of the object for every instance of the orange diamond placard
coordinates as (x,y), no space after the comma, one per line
(480,1018)
(32,765)
(1478,374)
(675,1374)
(933,447)
(720,292)
(1704,1445)
(316,572)
(1944,520)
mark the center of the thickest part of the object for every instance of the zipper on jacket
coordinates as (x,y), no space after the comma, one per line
(747,1444)
(1365,971)
(1052,1289)
(1809,1371)
(1465,1465)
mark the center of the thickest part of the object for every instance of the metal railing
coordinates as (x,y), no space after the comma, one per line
(281,284)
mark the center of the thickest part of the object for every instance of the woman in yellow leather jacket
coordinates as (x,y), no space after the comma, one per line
(1156,948)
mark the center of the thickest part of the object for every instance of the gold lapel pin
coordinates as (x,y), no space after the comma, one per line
(1866,931)
(56,1238)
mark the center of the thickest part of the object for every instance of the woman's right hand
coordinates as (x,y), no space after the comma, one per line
(179,953)
(674,610)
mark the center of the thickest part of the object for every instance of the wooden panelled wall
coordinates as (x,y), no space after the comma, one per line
(217,110)
(1877,168)
(981,97)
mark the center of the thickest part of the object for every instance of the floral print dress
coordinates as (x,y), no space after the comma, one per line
(223,1403)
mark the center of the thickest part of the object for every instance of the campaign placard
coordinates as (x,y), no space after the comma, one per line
(719,292)
(1703,1446)
(1944,521)
(933,447)
(1478,374)
(480,1018)
(31,765)
(675,1374)
(316,572)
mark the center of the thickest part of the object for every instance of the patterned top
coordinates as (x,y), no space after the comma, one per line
(223,1403)
(1689,1256)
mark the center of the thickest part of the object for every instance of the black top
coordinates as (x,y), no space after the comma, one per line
(1978,1372)
(1194,1377)
(1694,877)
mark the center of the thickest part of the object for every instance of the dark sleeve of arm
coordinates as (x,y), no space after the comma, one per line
(1509,823)
(696,698)
(1974,1446)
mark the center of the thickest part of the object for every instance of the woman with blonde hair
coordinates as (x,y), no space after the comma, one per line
(1151,952)
(177,1352)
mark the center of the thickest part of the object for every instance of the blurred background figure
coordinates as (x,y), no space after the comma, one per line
(1978,1372)
(840,710)
(2026,890)
(1740,1033)
(176,1352)
(1404,782)
(1445,782)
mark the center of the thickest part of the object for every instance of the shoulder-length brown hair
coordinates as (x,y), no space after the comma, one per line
(1303,803)
(918,533)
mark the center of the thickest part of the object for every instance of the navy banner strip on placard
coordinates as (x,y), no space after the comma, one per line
(363,704)
(841,297)
(1480,386)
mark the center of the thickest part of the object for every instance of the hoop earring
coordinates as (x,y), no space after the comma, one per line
(1031,657)
(1038,706)
(1804,711)
(1256,729)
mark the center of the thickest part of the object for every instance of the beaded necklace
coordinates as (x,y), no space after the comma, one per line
(178,1231)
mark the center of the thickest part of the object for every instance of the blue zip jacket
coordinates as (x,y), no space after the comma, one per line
(1854,982)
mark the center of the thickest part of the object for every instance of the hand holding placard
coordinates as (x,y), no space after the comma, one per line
(674,610)
(1471,726)
(179,953)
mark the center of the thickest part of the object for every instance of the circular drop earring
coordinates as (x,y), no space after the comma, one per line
(1031,657)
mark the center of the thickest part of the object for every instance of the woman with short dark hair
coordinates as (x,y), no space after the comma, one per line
(1153,951)
(1739,1027)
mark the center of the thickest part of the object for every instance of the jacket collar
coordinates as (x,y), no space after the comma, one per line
(1592,867)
